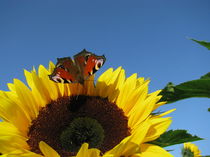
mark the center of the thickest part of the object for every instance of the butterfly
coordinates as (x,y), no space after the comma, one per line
(77,70)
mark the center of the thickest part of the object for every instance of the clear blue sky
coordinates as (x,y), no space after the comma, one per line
(144,36)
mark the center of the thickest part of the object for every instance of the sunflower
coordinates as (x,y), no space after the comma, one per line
(190,150)
(109,118)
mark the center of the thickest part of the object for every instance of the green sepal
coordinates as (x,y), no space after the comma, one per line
(173,137)
(203,43)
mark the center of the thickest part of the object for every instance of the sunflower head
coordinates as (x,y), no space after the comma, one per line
(190,150)
(112,117)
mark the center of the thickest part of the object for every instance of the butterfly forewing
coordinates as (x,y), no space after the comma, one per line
(93,64)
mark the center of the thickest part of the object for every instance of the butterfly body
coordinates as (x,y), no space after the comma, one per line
(77,70)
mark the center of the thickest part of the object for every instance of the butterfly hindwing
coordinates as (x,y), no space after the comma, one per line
(65,71)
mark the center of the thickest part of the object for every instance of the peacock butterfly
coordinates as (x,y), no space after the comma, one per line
(77,70)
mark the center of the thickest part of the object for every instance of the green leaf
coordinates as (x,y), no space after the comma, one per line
(194,88)
(206,76)
(203,43)
(173,137)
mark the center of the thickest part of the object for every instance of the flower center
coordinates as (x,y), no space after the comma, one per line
(65,124)
(187,152)
(82,130)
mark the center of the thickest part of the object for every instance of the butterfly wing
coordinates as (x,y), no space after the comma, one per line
(88,63)
(78,70)
(65,71)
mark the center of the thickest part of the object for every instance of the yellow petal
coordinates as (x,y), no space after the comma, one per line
(140,81)
(136,98)
(115,86)
(21,153)
(11,87)
(105,83)
(51,67)
(26,99)
(102,82)
(126,90)
(158,127)
(110,87)
(141,111)
(85,152)
(47,150)
(3,94)
(111,81)
(50,85)
(75,88)
(89,86)
(14,114)
(138,135)
(193,148)
(35,91)
(159,104)
(106,75)
(130,145)
(42,90)
(149,150)
(11,138)
(164,113)
(123,149)
(67,91)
